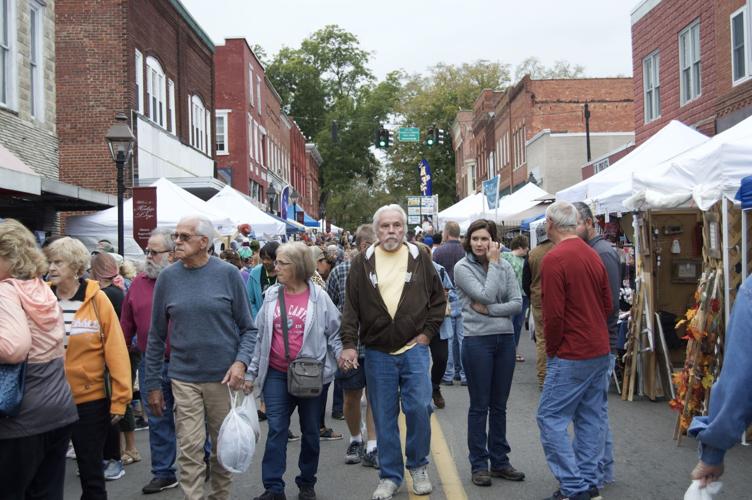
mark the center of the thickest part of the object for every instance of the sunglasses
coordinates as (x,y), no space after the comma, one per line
(149,252)
(182,236)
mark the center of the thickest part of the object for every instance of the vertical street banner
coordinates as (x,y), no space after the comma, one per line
(144,213)
(491,192)
(426,188)
(283,203)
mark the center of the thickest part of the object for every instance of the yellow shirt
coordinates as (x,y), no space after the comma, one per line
(391,273)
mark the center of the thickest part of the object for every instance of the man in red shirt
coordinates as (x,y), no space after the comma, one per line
(576,303)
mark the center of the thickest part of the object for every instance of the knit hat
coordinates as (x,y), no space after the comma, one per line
(428,241)
(245,252)
(103,267)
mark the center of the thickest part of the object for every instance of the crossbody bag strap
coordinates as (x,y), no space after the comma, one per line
(283,316)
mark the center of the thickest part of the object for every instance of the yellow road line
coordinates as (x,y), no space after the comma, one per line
(408,477)
(442,457)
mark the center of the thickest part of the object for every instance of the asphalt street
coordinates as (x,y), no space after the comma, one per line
(649,465)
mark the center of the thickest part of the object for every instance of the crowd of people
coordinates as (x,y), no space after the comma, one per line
(385,316)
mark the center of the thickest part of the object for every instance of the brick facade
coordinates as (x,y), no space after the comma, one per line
(463,143)
(96,78)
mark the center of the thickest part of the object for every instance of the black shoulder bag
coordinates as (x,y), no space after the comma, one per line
(305,376)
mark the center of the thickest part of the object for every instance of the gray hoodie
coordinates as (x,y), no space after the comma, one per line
(497,289)
(320,335)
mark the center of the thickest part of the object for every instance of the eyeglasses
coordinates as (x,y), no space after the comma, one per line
(149,252)
(281,263)
(182,236)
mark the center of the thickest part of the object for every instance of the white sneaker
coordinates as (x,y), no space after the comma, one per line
(421,482)
(71,453)
(385,490)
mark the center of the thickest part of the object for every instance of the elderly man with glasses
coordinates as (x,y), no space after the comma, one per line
(212,338)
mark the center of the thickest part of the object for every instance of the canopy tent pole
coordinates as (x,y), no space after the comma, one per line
(726,276)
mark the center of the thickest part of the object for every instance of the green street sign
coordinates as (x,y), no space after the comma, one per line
(409,134)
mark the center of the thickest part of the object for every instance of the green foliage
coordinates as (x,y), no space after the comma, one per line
(560,70)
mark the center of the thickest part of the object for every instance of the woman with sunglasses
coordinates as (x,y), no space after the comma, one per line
(490,297)
(312,332)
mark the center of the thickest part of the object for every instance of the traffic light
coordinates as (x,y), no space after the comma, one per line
(431,136)
(440,136)
(383,138)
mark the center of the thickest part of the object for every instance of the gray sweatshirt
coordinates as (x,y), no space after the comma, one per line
(209,319)
(611,262)
(497,289)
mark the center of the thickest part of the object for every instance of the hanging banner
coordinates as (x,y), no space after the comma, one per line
(425,178)
(144,213)
(491,191)
(284,201)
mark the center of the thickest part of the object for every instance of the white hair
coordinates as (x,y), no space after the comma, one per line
(389,208)
(563,216)
(166,235)
(203,226)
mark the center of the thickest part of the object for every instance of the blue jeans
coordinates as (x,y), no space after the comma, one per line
(279,406)
(391,378)
(162,441)
(606,462)
(489,367)
(518,320)
(573,392)
(454,361)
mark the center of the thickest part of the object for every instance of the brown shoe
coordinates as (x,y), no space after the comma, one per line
(481,478)
(509,473)
(438,399)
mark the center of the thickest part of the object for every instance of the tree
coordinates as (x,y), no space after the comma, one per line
(434,100)
(537,70)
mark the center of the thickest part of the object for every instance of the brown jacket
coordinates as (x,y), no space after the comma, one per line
(420,310)
(535,261)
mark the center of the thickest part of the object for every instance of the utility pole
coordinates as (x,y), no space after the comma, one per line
(587,130)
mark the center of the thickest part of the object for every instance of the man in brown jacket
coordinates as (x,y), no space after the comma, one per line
(396,298)
(532,285)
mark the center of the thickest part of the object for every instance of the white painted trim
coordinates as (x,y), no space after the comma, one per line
(642,9)
(37,104)
(11,101)
(745,35)
(173,110)
(138,63)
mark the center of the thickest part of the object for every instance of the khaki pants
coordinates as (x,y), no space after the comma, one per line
(540,345)
(195,406)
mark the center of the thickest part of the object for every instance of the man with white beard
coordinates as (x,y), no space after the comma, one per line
(135,321)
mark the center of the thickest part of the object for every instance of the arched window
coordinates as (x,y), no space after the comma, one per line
(200,127)
(155,92)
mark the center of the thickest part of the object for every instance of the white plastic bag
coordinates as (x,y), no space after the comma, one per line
(694,492)
(248,411)
(236,443)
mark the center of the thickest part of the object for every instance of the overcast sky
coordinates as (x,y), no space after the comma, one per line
(415,34)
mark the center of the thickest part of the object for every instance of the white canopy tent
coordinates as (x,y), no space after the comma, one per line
(673,139)
(240,209)
(335,229)
(699,177)
(523,203)
(466,209)
(173,203)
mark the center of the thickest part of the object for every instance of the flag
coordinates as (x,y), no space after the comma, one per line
(491,191)
(425,178)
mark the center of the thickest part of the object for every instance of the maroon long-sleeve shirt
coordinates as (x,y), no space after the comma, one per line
(576,301)
(135,318)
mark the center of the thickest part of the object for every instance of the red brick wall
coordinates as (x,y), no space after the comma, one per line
(92,75)
(659,29)
(298,167)
(731,98)
(95,42)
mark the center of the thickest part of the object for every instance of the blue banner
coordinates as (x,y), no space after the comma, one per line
(284,201)
(426,188)
(491,191)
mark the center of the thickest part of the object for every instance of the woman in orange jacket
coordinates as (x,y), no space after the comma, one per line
(94,345)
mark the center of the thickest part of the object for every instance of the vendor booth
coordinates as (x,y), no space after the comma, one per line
(242,211)
(173,203)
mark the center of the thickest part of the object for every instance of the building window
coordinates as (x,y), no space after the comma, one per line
(471,179)
(250,83)
(199,125)
(7,47)
(518,139)
(155,92)
(651,84)
(258,92)
(171,112)
(600,165)
(738,45)
(36,71)
(689,62)
(221,131)
(139,64)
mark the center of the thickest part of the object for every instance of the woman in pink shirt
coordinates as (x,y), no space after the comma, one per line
(313,332)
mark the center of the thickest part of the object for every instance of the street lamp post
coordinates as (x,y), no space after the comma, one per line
(271,193)
(120,140)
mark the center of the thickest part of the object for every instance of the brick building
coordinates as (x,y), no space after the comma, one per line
(538,127)
(312,192)
(30,187)
(463,143)
(150,59)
